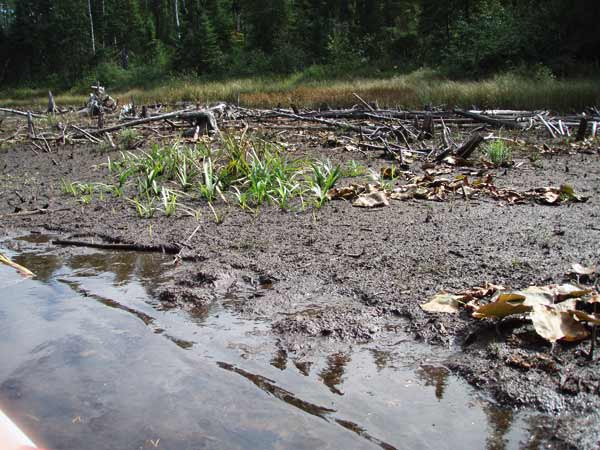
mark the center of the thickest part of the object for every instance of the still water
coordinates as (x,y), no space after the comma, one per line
(89,360)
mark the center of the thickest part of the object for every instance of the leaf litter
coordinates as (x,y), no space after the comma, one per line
(440,188)
(552,309)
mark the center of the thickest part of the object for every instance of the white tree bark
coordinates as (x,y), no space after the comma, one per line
(92,26)
(177,15)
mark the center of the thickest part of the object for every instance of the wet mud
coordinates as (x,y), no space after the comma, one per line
(340,277)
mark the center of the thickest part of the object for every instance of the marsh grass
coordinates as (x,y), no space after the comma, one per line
(249,171)
(414,90)
(498,152)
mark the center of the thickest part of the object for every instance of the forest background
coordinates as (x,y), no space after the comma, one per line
(281,45)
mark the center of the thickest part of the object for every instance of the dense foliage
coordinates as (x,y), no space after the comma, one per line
(62,41)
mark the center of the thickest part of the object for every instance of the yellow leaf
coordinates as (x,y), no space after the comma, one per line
(585,317)
(444,303)
(554,325)
(566,291)
(502,305)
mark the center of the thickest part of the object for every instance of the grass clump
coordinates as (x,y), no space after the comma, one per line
(251,172)
(129,138)
(498,153)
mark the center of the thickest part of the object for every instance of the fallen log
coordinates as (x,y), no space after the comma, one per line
(582,129)
(205,116)
(52,109)
(465,150)
(490,121)
(16,112)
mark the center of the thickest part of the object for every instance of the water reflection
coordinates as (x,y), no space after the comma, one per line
(303,367)
(280,359)
(381,358)
(82,355)
(499,423)
(434,376)
(322,412)
(333,374)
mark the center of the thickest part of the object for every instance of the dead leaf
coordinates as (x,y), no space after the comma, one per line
(480,292)
(345,193)
(537,295)
(593,299)
(579,269)
(372,200)
(585,317)
(444,303)
(402,195)
(502,305)
(555,325)
(566,291)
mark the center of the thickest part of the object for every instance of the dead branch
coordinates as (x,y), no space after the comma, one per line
(21,113)
(490,121)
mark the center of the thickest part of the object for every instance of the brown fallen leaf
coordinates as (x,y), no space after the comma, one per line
(345,193)
(480,292)
(23,270)
(555,325)
(444,303)
(372,200)
(502,305)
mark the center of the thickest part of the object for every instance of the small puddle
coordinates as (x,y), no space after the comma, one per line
(90,360)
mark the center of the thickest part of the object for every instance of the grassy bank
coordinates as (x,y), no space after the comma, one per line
(410,91)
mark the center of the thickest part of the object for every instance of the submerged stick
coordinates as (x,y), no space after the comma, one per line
(170,249)
(21,269)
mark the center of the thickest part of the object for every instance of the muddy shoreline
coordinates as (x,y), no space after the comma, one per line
(343,275)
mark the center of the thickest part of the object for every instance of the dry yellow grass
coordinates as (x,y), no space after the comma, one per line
(406,91)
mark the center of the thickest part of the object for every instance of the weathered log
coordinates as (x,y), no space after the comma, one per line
(52,109)
(30,128)
(427,127)
(490,121)
(100,117)
(465,150)
(20,113)
(582,129)
(193,116)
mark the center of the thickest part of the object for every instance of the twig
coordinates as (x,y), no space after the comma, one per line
(91,138)
(369,107)
(167,248)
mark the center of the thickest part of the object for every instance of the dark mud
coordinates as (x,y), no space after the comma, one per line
(343,275)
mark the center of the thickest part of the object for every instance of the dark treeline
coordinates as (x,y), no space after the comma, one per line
(62,41)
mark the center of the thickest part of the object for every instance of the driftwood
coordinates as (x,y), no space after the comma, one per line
(52,109)
(199,117)
(582,129)
(30,127)
(16,112)
(465,150)
(490,121)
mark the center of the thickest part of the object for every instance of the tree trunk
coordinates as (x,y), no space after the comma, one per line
(92,26)
(51,104)
(177,17)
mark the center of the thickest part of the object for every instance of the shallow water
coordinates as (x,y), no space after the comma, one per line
(90,360)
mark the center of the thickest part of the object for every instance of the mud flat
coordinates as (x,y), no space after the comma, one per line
(322,281)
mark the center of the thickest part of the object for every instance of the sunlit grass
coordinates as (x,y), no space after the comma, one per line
(412,91)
